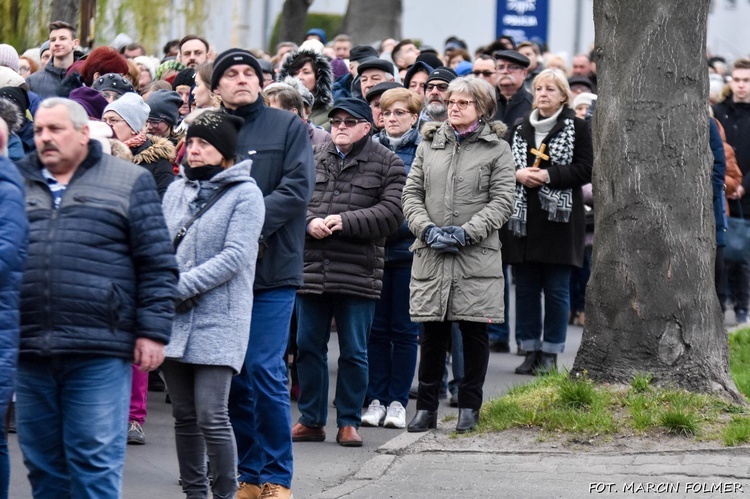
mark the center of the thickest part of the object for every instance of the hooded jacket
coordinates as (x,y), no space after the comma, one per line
(323,91)
(13,117)
(157,155)
(469,185)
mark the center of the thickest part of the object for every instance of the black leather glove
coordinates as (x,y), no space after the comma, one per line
(182,306)
(458,234)
(437,239)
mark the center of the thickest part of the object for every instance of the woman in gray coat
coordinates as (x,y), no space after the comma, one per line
(217,267)
(458,194)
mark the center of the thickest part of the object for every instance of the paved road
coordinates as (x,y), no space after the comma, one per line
(151,470)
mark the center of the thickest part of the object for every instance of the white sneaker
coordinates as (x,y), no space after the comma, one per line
(396,416)
(375,414)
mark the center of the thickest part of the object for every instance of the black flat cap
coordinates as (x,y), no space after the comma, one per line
(380,88)
(377,63)
(512,56)
(361,52)
(356,107)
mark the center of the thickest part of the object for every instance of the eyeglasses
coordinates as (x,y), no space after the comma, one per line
(349,122)
(486,74)
(399,113)
(153,122)
(428,87)
(510,67)
(109,95)
(23,69)
(462,104)
(112,122)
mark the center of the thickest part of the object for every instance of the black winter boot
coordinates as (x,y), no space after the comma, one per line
(529,363)
(423,420)
(467,420)
(547,364)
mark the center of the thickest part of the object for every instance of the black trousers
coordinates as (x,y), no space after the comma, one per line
(435,343)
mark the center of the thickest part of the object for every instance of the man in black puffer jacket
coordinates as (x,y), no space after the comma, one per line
(355,206)
(97,295)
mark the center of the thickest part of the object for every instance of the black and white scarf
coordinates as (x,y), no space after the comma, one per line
(558,203)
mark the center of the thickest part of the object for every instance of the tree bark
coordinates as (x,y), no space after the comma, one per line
(368,22)
(66,10)
(651,305)
(293,17)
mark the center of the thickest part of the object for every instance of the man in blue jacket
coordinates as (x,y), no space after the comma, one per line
(97,295)
(14,230)
(278,144)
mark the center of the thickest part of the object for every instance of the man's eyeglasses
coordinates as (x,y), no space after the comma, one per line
(512,68)
(399,113)
(349,122)
(486,74)
(428,87)
(461,104)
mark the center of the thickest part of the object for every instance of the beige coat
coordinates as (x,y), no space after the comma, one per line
(470,186)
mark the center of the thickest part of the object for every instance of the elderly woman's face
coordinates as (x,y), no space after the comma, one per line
(120,127)
(548,97)
(202,153)
(462,110)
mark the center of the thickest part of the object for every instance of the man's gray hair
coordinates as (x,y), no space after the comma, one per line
(76,112)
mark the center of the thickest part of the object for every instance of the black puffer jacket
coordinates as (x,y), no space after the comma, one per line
(101,269)
(323,91)
(365,189)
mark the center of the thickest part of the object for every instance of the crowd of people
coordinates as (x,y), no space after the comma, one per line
(212,217)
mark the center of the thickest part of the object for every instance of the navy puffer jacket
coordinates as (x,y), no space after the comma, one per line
(101,269)
(13,233)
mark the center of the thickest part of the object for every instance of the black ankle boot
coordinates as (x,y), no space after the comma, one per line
(547,364)
(467,420)
(423,420)
(529,363)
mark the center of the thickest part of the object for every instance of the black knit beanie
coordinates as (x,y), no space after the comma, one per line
(185,77)
(218,129)
(229,58)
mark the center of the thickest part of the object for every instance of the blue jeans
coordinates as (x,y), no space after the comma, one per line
(353,321)
(72,420)
(500,333)
(533,279)
(264,443)
(394,341)
(201,426)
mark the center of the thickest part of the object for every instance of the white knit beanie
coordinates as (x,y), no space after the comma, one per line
(8,57)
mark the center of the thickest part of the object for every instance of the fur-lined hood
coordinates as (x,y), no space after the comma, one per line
(12,114)
(431,128)
(323,78)
(160,148)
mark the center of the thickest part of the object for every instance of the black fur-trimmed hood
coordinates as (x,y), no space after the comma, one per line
(323,79)
(12,114)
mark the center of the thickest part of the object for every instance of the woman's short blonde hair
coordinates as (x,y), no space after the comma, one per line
(559,79)
(412,99)
(484,95)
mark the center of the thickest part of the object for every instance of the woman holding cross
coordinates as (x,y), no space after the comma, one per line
(544,237)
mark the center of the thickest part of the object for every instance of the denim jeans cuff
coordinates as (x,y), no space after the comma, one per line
(553,347)
(531,345)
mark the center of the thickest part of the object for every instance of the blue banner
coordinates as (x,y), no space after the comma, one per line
(523,20)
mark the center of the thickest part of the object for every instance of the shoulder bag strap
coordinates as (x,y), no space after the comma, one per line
(181,233)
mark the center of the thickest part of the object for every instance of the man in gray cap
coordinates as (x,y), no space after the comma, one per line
(348,85)
(356,204)
(374,71)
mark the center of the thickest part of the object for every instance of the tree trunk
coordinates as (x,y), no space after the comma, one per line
(66,10)
(651,305)
(368,22)
(293,17)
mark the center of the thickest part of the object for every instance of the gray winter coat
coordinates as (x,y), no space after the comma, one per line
(217,265)
(471,186)
(45,81)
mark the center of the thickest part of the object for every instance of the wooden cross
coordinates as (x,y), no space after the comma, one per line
(539,155)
